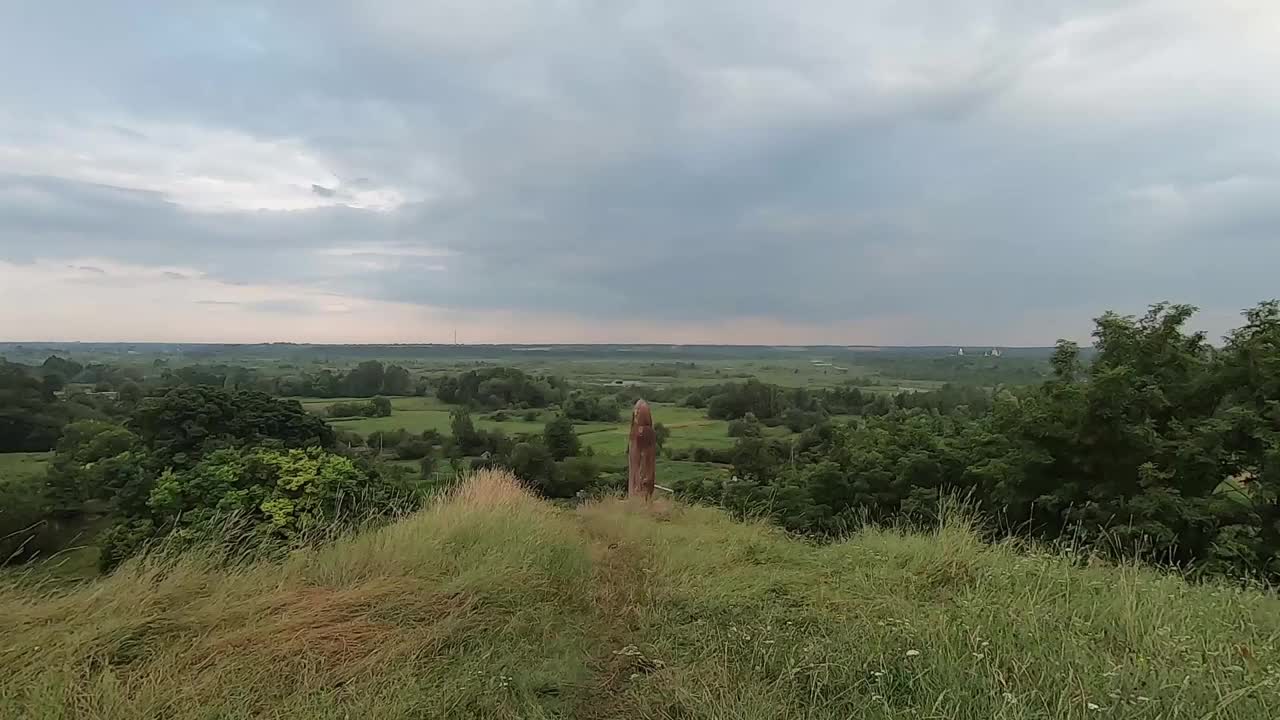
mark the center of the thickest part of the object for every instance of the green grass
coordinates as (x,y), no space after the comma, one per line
(15,465)
(689,426)
(491,604)
(674,471)
(319,405)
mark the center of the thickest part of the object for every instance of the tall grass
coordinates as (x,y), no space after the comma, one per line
(491,604)
(469,608)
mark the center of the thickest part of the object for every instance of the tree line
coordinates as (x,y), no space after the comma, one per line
(1163,447)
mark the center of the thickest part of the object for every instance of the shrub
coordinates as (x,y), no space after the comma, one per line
(560,438)
(576,474)
(591,409)
(273,495)
(413,449)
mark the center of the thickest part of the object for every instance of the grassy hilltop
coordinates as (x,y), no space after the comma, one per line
(492,604)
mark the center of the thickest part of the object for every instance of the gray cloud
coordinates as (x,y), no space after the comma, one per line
(974,167)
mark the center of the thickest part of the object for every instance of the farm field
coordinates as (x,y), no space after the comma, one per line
(689,426)
(15,465)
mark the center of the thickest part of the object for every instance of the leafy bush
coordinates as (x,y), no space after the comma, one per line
(178,427)
(262,494)
(560,438)
(748,426)
(377,407)
(591,409)
(576,475)
(413,449)
(495,388)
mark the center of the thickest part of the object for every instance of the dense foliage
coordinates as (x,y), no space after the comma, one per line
(31,413)
(195,455)
(377,407)
(1162,447)
(367,379)
(591,408)
(500,387)
(177,428)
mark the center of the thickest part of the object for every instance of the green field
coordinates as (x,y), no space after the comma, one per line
(15,465)
(689,426)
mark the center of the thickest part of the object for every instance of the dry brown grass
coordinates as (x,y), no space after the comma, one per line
(491,489)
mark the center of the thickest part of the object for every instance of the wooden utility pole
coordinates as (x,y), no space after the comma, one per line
(642,453)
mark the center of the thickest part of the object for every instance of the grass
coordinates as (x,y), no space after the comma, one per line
(689,426)
(491,604)
(15,465)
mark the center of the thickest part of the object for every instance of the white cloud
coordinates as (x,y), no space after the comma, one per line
(204,169)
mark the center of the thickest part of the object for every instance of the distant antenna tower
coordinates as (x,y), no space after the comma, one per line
(455,336)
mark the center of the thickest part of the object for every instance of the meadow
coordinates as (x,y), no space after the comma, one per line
(15,465)
(491,604)
(689,427)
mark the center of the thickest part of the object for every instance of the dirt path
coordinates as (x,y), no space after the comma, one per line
(622,588)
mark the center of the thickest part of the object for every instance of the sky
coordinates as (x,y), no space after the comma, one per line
(697,171)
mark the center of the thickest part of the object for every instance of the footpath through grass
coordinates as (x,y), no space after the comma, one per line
(494,605)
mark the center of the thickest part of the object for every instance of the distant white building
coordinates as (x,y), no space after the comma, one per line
(961,353)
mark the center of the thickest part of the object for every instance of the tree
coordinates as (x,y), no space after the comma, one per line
(96,459)
(60,366)
(31,416)
(661,433)
(129,394)
(52,383)
(1249,427)
(591,409)
(396,381)
(576,474)
(179,427)
(560,438)
(465,439)
(747,426)
(413,449)
(273,493)
(381,407)
(366,379)
(532,463)
(495,388)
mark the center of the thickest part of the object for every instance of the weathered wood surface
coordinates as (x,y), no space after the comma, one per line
(642,453)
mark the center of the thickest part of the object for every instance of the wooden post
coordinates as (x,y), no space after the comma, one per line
(642,453)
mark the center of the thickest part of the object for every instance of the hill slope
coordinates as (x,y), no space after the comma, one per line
(495,605)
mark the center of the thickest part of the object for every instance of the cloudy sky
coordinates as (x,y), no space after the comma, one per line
(748,171)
